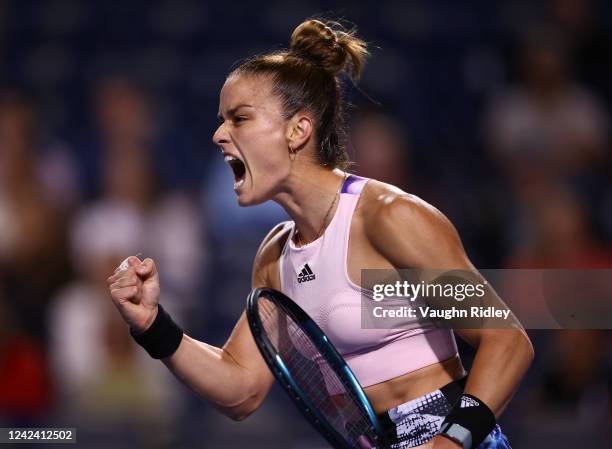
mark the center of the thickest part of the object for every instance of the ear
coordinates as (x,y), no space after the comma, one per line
(299,130)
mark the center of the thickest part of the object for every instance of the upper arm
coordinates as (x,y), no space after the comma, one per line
(241,346)
(411,233)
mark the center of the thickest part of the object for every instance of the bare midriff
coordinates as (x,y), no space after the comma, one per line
(396,391)
(401,389)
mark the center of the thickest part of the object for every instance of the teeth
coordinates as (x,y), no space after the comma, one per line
(229,158)
(238,184)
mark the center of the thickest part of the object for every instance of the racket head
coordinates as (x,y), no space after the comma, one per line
(309,368)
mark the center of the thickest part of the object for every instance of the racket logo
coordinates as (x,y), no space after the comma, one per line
(306,275)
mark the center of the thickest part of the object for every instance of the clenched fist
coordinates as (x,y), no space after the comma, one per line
(134,288)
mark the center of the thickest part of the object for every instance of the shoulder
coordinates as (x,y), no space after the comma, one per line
(269,253)
(384,205)
(407,230)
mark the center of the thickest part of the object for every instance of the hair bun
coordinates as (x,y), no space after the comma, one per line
(329,45)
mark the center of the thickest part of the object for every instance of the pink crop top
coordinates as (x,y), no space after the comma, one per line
(315,276)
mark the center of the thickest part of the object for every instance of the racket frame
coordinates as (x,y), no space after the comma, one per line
(325,347)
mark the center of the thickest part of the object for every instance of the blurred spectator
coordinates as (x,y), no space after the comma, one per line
(123,112)
(381,149)
(588,40)
(123,123)
(100,374)
(128,176)
(105,377)
(28,151)
(572,365)
(126,115)
(556,232)
(32,257)
(548,127)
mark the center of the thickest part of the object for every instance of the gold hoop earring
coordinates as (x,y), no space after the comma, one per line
(292,154)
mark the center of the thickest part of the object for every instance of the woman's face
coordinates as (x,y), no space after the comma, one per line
(252,136)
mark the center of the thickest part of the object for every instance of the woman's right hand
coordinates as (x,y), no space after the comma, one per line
(134,288)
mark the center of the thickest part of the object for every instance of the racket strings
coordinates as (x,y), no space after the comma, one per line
(313,374)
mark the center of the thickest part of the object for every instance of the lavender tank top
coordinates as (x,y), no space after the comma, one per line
(315,276)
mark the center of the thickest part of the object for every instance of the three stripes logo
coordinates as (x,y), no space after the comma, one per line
(305,275)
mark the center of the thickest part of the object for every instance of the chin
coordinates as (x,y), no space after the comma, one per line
(243,202)
(246,199)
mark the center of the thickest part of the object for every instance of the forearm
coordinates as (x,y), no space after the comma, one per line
(236,385)
(502,358)
(214,375)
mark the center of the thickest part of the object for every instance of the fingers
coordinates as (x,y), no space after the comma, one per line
(143,268)
(133,261)
(128,262)
(146,268)
(121,295)
(125,285)
(126,274)
(120,274)
(128,280)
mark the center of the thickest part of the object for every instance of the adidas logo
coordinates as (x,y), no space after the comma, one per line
(468,402)
(305,275)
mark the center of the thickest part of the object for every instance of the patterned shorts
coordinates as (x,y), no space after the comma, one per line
(418,421)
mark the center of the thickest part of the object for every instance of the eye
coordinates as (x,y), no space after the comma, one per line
(239,119)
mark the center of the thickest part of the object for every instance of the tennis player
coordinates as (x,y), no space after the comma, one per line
(281,131)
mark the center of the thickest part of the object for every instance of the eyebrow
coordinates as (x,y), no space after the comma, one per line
(233,110)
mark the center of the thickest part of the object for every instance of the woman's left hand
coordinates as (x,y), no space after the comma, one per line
(439,442)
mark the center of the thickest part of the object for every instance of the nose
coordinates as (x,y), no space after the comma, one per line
(220,136)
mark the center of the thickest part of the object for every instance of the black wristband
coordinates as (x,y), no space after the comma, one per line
(162,338)
(472,414)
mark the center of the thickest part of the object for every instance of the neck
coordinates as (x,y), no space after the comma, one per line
(308,198)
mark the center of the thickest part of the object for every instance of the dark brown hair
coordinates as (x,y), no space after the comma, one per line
(307,77)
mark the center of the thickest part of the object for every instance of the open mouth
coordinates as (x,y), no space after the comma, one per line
(238,168)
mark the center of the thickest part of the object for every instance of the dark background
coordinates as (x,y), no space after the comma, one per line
(495,112)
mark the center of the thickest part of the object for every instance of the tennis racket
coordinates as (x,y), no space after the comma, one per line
(312,372)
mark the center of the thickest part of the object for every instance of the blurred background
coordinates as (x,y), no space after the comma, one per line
(498,113)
